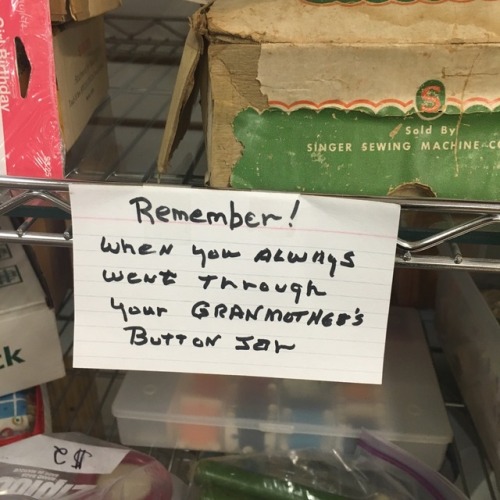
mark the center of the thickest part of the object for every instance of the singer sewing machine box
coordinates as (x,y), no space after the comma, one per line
(358,97)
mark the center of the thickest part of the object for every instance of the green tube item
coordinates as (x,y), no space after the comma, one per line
(219,480)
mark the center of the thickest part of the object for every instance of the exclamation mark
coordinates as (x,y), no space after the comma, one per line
(294,212)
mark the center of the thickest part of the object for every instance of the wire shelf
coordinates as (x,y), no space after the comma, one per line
(456,219)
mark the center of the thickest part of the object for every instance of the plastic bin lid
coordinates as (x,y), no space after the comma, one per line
(407,407)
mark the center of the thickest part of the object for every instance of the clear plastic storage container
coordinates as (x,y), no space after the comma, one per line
(239,414)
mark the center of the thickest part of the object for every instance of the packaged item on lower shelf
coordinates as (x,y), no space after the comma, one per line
(24,414)
(375,470)
(75,466)
(243,414)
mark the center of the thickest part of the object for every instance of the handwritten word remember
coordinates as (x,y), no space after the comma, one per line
(232,218)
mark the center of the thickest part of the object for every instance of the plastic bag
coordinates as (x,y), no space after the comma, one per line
(74,466)
(375,471)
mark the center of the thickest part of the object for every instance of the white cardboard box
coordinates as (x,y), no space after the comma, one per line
(30,352)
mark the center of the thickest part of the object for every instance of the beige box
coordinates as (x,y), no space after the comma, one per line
(81,74)
(79,10)
(356,97)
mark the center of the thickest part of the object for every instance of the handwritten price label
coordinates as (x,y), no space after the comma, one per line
(47,452)
(76,459)
(231,282)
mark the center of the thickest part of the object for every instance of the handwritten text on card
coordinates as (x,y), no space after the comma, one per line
(245,283)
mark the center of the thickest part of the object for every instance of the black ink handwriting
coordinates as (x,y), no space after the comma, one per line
(203,309)
(213,254)
(167,277)
(124,247)
(318,257)
(145,212)
(212,280)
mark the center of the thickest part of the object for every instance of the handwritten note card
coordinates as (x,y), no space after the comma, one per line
(230,282)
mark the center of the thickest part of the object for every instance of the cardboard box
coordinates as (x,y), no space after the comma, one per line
(79,10)
(30,351)
(50,84)
(349,97)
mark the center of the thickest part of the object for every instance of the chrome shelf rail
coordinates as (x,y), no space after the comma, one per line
(472,217)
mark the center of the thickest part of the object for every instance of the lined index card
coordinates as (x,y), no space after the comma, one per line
(232,282)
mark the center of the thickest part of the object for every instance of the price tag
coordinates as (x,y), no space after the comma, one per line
(231,282)
(59,455)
